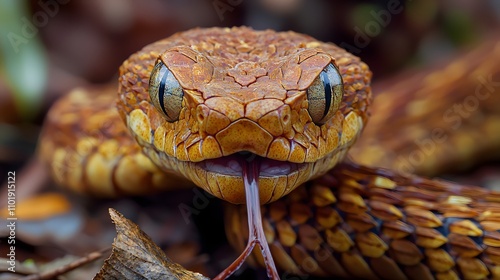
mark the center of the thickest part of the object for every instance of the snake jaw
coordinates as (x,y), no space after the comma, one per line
(275,180)
(223,181)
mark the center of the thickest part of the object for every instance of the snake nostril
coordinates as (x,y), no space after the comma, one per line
(286,118)
(201,117)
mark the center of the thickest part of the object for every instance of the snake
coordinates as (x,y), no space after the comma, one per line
(196,107)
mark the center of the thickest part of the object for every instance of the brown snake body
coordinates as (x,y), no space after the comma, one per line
(245,94)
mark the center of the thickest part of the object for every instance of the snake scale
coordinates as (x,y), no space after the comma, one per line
(200,102)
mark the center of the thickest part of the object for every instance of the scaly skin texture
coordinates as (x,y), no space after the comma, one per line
(244,90)
(359,222)
(443,117)
(351,222)
(90,151)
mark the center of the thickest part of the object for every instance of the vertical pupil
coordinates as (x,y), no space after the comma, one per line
(165,92)
(161,91)
(328,91)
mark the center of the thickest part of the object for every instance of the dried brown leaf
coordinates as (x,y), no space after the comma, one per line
(136,256)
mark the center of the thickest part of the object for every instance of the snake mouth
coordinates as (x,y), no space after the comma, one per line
(233,165)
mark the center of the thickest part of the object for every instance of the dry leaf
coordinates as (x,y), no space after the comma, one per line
(136,256)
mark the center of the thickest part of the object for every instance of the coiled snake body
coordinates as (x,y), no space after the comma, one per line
(203,102)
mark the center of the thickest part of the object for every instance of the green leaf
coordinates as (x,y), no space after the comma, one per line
(23,60)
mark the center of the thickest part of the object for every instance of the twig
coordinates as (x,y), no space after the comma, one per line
(66,268)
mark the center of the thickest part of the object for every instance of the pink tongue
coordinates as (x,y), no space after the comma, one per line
(250,171)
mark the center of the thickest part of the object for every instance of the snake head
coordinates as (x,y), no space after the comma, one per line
(201,102)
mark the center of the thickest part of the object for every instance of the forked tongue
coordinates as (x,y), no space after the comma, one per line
(251,170)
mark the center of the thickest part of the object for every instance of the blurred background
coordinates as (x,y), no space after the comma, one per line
(48,47)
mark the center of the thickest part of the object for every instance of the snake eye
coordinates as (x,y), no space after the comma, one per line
(325,94)
(165,92)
